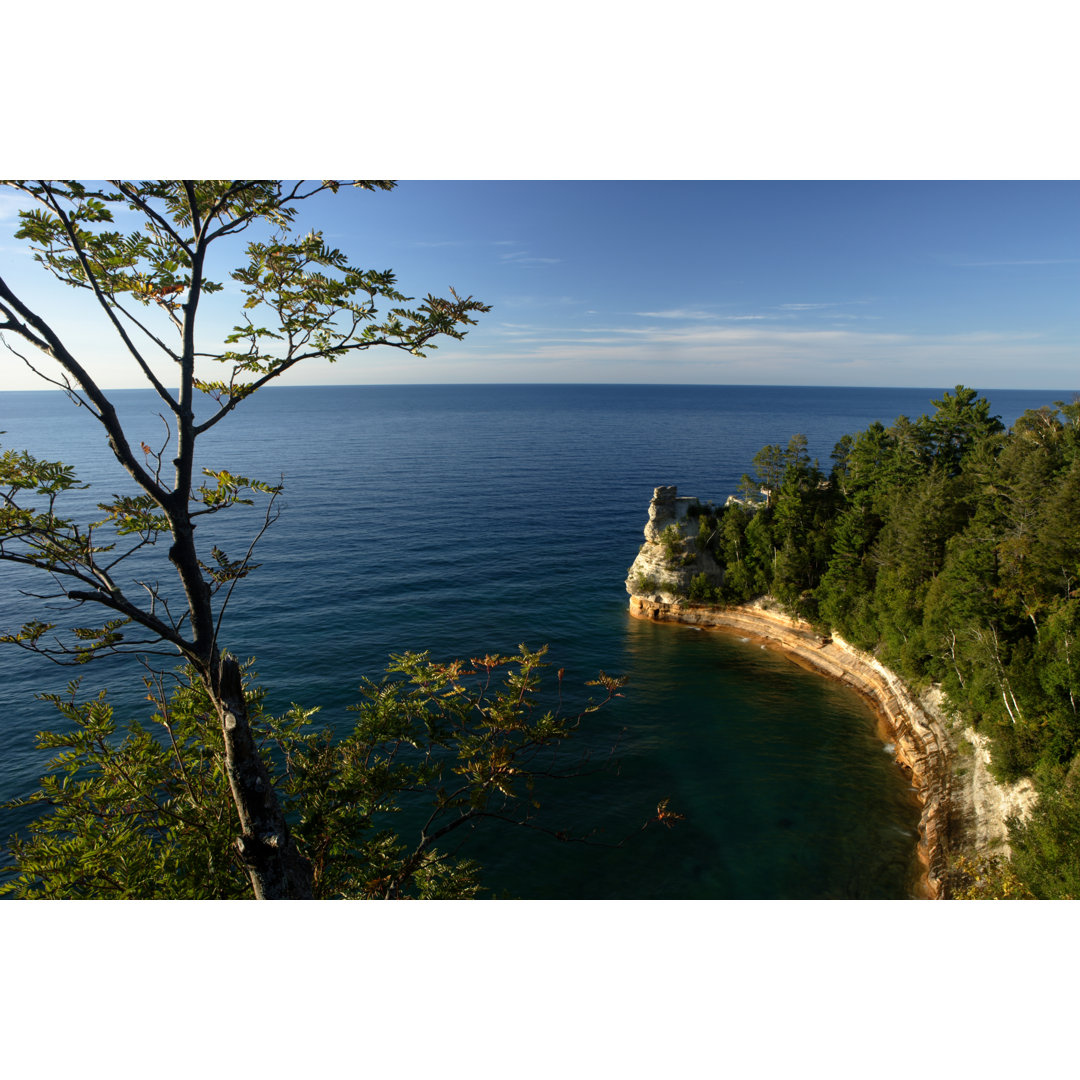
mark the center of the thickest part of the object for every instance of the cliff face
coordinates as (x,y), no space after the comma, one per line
(963,809)
(670,559)
(980,806)
(922,747)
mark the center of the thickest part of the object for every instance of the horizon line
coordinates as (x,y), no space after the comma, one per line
(689,385)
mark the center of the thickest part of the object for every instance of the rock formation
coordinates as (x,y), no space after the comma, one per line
(670,558)
(963,810)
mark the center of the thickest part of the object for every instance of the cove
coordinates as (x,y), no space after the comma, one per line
(783,783)
(912,732)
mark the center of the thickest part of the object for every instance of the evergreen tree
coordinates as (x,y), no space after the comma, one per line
(951,548)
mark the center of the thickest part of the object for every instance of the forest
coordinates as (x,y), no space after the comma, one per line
(950,548)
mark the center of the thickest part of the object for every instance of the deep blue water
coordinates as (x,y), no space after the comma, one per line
(467,519)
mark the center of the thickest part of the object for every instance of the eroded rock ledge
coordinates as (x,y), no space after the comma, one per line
(922,745)
(964,808)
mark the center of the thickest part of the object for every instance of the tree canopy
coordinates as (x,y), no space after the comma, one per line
(217,798)
(951,548)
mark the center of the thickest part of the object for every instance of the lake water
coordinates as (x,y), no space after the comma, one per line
(466,519)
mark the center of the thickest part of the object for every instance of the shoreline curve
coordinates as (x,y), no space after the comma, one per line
(923,748)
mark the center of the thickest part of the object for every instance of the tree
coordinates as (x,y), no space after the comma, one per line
(949,547)
(962,421)
(1045,846)
(847,585)
(985,878)
(148,818)
(302,299)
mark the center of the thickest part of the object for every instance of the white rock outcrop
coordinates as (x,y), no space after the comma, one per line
(964,809)
(670,559)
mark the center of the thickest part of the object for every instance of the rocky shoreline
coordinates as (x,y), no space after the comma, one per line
(963,809)
(922,746)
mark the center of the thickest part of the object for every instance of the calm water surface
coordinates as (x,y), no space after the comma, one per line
(467,519)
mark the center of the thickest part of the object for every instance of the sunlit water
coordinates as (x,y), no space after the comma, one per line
(464,520)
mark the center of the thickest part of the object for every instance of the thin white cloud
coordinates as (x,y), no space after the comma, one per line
(525,258)
(677,313)
(714,354)
(758,355)
(819,305)
(782,312)
(716,343)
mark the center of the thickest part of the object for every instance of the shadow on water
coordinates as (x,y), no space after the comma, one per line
(785,789)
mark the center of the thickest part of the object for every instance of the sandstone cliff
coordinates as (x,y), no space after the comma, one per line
(670,558)
(964,810)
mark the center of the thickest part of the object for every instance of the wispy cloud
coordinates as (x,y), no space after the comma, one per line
(820,305)
(781,313)
(677,313)
(700,315)
(759,342)
(522,256)
(525,258)
(754,354)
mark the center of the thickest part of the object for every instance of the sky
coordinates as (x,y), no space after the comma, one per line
(859,283)
(800,280)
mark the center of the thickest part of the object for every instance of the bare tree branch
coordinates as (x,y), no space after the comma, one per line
(63,383)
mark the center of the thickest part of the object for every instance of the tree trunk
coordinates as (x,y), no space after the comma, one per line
(277,870)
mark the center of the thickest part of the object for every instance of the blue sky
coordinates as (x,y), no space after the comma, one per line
(791,283)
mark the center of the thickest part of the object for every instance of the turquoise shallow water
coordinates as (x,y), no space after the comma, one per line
(467,519)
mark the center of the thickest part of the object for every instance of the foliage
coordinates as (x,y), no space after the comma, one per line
(951,548)
(987,878)
(1046,846)
(645,583)
(701,591)
(302,299)
(225,801)
(149,816)
(144,817)
(674,546)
